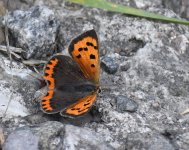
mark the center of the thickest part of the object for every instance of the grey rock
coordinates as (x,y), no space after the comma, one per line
(17,88)
(21,140)
(125,67)
(18,4)
(125,104)
(132,47)
(56,136)
(182,140)
(50,134)
(148,141)
(109,65)
(82,138)
(39,118)
(179,7)
(34,31)
(42,136)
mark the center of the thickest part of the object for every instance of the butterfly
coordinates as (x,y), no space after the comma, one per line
(73,83)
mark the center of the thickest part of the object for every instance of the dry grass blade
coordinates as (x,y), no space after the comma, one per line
(2,138)
(113,7)
(10,57)
(185,112)
(12,49)
(33,62)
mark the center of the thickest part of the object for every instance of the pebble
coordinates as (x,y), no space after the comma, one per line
(35,31)
(21,140)
(125,67)
(125,104)
(109,65)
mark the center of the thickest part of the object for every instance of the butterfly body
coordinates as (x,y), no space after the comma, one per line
(73,83)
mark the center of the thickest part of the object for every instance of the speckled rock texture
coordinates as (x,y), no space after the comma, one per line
(140,103)
(34,30)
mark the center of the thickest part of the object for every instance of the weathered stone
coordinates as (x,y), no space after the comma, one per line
(83,138)
(34,30)
(109,65)
(22,140)
(17,88)
(148,141)
(125,104)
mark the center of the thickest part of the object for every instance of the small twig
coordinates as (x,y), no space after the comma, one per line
(11,48)
(33,62)
(36,70)
(10,57)
(185,112)
(16,55)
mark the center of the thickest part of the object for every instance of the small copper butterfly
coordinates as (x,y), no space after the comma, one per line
(73,83)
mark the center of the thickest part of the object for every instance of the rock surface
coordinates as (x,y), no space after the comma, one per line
(179,7)
(109,65)
(55,136)
(23,139)
(34,31)
(153,72)
(17,86)
(125,104)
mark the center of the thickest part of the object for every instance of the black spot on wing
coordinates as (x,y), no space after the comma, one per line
(92,65)
(89,44)
(78,56)
(83,109)
(92,56)
(47,68)
(86,104)
(90,33)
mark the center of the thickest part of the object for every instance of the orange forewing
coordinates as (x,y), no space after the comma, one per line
(82,106)
(84,51)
